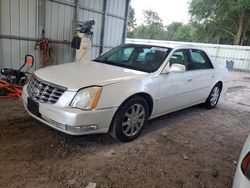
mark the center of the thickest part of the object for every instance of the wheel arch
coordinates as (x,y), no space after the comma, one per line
(148,98)
(220,83)
(145,96)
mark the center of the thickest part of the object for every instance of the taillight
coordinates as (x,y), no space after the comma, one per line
(245,165)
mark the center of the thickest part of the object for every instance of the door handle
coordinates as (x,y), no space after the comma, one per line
(189,79)
(212,76)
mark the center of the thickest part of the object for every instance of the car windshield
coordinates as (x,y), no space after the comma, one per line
(144,58)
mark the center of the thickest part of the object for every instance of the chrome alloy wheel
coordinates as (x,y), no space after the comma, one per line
(133,120)
(215,96)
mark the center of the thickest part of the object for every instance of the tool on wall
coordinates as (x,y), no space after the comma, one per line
(13,80)
(46,53)
(82,41)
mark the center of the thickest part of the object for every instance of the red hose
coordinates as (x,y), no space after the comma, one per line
(13,90)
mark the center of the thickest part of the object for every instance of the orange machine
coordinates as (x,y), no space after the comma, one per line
(13,80)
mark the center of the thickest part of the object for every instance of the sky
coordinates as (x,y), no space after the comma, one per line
(168,10)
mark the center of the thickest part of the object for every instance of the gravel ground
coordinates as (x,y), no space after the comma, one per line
(192,148)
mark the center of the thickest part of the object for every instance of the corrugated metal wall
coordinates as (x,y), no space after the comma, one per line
(59,26)
(221,53)
(22,21)
(17,19)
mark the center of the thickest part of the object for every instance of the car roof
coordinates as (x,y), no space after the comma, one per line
(173,46)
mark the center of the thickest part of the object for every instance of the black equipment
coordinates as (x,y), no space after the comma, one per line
(83,27)
(86,27)
(18,77)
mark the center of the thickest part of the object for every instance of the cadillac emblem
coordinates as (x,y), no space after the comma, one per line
(37,90)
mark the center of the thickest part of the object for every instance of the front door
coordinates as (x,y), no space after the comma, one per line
(176,89)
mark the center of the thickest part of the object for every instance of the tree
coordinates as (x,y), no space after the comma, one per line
(230,17)
(184,33)
(172,29)
(131,22)
(152,29)
(178,31)
(151,17)
(131,19)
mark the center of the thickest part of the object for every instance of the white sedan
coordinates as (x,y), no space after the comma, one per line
(122,89)
(242,174)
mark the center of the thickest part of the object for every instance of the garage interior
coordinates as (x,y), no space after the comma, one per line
(22,23)
(189,148)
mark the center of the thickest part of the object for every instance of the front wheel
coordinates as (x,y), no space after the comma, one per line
(213,97)
(129,120)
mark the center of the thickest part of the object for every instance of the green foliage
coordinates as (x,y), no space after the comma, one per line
(153,28)
(212,21)
(131,19)
(184,33)
(131,22)
(151,17)
(153,31)
(227,19)
(172,29)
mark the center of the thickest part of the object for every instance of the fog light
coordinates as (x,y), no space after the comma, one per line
(83,128)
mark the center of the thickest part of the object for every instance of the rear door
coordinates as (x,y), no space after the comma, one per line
(204,74)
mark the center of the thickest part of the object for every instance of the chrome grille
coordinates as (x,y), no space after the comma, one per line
(44,92)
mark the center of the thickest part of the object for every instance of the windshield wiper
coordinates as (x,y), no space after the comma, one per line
(96,60)
(103,61)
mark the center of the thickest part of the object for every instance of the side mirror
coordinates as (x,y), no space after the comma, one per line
(175,68)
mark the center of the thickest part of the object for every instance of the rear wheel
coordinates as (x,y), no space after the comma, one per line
(129,120)
(213,97)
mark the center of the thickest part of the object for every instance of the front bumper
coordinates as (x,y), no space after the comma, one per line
(71,120)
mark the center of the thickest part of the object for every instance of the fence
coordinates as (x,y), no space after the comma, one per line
(240,55)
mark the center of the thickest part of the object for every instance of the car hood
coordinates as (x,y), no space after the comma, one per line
(78,75)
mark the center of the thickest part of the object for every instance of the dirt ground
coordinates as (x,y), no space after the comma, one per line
(190,148)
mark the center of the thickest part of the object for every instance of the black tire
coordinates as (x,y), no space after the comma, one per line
(212,101)
(121,122)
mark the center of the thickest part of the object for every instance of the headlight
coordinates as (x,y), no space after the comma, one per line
(87,98)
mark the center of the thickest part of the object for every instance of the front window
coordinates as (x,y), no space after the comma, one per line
(180,57)
(138,57)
